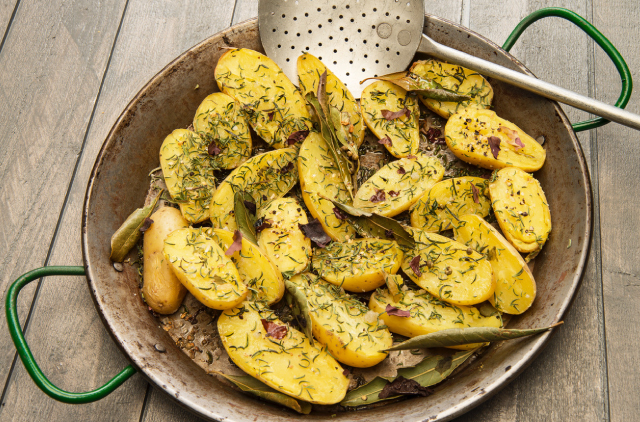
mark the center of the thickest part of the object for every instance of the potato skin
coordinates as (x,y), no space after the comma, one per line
(467,134)
(290,365)
(162,290)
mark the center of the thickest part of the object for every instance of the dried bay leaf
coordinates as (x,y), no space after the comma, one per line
(300,300)
(129,232)
(425,86)
(245,219)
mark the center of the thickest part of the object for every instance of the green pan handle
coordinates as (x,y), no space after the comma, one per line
(25,354)
(612,52)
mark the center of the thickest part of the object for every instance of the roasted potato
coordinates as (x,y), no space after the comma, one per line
(428,314)
(482,138)
(358,265)
(262,277)
(188,169)
(521,209)
(400,135)
(265,177)
(398,185)
(280,356)
(442,205)
(450,271)
(220,121)
(204,269)
(283,242)
(273,106)
(161,289)
(515,286)
(457,79)
(351,332)
(319,176)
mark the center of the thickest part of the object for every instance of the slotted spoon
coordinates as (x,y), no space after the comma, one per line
(357,39)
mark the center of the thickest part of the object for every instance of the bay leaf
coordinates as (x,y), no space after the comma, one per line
(300,300)
(256,387)
(430,371)
(129,232)
(424,86)
(245,220)
(462,336)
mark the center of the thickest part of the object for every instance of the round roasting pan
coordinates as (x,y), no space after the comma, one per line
(119,183)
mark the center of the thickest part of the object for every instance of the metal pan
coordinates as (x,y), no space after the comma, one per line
(119,183)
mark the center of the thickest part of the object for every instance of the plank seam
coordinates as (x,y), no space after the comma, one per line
(147,395)
(64,204)
(6,31)
(233,14)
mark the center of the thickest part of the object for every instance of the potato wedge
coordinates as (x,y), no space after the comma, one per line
(261,276)
(319,176)
(521,209)
(450,271)
(401,134)
(515,286)
(358,265)
(289,364)
(482,138)
(309,71)
(428,314)
(398,185)
(188,173)
(265,177)
(351,332)
(161,289)
(457,79)
(284,243)
(219,120)
(440,207)
(204,269)
(273,105)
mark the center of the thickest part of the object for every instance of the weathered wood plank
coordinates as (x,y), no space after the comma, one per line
(78,353)
(448,9)
(619,170)
(51,67)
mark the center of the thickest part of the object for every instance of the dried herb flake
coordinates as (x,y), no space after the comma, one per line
(236,245)
(393,311)
(494,143)
(403,386)
(314,231)
(274,330)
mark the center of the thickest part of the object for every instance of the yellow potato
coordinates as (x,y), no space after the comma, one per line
(398,185)
(204,269)
(284,243)
(351,332)
(448,200)
(450,271)
(261,276)
(188,173)
(515,286)
(521,209)
(319,176)
(291,364)
(358,265)
(428,314)
(273,105)
(265,177)
(161,289)
(351,123)
(219,119)
(403,132)
(457,79)
(470,133)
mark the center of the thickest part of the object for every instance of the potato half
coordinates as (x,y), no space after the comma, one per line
(220,121)
(521,209)
(352,333)
(289,364)
(204,269)
(515,286)
(272,104)
(482,138)
(440,207)
(401,133)
(398,185)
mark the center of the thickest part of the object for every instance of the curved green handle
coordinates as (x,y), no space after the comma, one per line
(27,358)
(603,42)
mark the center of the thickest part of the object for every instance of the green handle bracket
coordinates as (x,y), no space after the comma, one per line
(25,354)
(603,42)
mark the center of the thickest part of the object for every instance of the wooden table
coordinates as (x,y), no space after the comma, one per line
(68,68)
